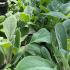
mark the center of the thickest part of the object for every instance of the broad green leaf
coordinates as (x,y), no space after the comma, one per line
(54,5)
(2,18)
(34,63)
(18,52)
(9,13)
(5,43)
(42,35)
(65,8)
(17,38)
(17,15)
(45,53)
(60,57)
(66,25)
(29,10)
(41,68)
(33,49)
(61,36)
(24,17)
(56,14)
(9,26)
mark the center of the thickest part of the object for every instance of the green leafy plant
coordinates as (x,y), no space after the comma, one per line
(35,35)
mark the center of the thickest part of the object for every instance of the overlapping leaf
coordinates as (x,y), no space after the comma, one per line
(42,35)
